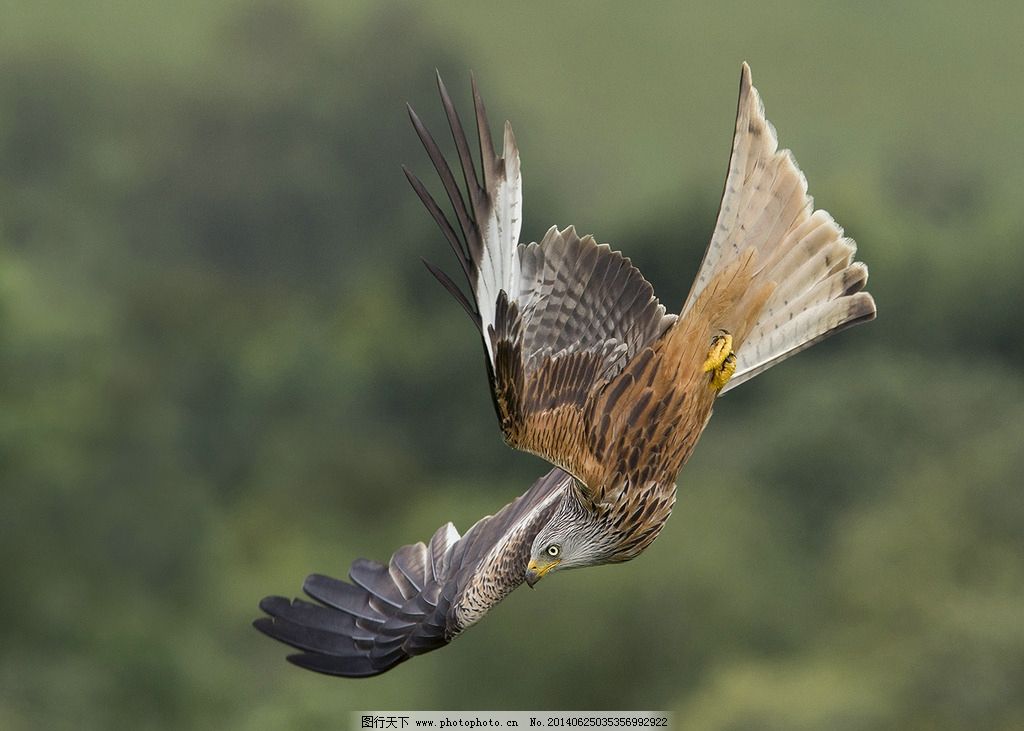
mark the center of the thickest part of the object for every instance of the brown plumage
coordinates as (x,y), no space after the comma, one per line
(588,371)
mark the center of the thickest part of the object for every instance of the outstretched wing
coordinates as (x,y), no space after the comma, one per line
(766,209)
(424,597)
(559,319)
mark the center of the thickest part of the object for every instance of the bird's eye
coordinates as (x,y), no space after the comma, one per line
(554,550)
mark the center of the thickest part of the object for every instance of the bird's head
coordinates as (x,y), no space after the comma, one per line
(543,560)
(571,539)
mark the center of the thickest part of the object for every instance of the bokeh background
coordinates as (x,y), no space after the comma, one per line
(222,365)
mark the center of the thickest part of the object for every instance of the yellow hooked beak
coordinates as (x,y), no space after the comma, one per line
(535,571)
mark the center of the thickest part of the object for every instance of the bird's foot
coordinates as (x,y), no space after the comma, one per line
(721,361)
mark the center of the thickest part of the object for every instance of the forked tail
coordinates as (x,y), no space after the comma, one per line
(800,253)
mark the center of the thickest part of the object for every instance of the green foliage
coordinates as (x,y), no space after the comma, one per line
(223,367)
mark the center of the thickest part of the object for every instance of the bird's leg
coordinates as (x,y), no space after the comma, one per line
(721,361)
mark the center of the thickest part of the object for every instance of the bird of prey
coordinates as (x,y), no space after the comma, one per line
(589,371)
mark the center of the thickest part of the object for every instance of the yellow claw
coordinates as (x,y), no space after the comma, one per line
(721,361)
(721,347)
(721,376)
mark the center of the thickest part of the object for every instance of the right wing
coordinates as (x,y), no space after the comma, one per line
(560,319)
(424,597)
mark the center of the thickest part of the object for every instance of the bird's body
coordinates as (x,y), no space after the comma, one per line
(589,372)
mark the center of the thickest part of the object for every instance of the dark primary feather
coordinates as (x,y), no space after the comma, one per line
(424,597)
(559,318)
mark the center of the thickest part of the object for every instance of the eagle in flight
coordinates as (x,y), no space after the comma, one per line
(590,372)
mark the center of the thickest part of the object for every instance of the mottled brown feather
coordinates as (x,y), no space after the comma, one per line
(584,358)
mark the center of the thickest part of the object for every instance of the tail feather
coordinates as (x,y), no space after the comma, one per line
(836,285)
(801,252)
(809,328)
(835,257)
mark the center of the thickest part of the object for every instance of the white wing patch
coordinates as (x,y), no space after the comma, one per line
(499,263)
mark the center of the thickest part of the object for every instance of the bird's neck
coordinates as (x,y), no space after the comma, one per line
(630,522)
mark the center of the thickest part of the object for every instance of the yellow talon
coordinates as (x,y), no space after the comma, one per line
(721,347)
(721,362)
(721,376)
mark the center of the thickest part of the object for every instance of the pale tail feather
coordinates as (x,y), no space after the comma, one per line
(765,207)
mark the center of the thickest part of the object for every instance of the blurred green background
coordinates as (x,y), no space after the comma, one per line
(222,365)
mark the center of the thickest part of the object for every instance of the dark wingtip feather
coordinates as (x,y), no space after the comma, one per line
(453,290)
(488,158)
(415,118)
(347,667)
(341,595)
(442,222)
(311,636)
(477,196)
(274,605)
(466,223)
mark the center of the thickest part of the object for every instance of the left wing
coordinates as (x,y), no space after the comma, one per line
(425,596)
(560,319)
